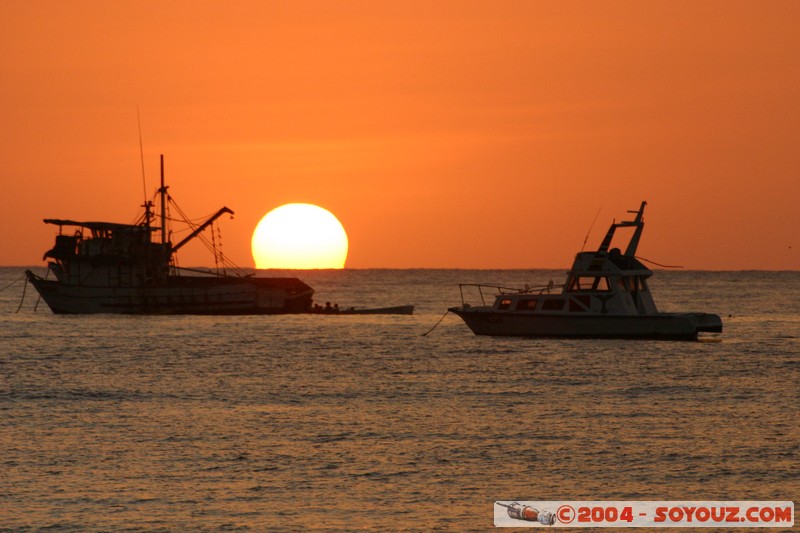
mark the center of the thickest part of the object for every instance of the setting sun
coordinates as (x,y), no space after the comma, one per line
(300,236)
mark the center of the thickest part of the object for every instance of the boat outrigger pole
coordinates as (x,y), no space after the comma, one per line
(637,234)
(201,227)
(638,223)
(163,192)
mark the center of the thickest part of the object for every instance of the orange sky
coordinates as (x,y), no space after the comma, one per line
(442,134)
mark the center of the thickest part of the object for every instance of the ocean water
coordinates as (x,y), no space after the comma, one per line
(291,423)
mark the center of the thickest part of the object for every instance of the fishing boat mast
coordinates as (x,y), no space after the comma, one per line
(163,191)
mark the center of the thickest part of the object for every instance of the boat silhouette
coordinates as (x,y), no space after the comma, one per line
(106,267)
(605,295)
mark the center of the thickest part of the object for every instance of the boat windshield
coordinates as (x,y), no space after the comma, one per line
(589,283)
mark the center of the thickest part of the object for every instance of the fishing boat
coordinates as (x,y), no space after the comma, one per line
(605,296)
(106,267)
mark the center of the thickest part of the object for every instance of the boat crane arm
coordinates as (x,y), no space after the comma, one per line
(201,227)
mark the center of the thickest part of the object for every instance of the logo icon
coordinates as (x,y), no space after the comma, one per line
(529,514)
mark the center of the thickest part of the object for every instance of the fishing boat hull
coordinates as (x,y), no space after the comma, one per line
(180,295)
(669,326)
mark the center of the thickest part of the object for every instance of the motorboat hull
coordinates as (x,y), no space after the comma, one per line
(180,295)
(677,326)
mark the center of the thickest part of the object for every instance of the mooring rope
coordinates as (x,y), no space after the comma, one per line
(22,300)
(435,325)
(39,297)
(658,264)
(13,283)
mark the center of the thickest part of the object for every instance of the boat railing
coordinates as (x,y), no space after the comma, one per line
(495,290)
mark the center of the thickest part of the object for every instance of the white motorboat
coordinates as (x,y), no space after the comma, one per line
(605,296)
